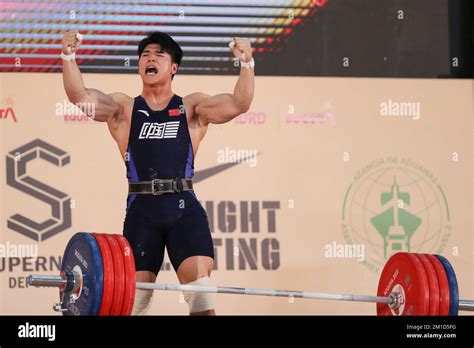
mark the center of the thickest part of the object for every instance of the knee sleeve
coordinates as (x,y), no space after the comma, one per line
(199,301)
(143,300)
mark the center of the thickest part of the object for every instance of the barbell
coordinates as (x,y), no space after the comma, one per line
(98,278)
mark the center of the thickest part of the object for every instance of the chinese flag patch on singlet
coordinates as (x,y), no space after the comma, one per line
(174,112)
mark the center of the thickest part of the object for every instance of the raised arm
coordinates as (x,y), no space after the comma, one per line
(222,108)
(105,105)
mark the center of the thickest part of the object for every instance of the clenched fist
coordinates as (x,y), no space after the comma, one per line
(71,41)
(241,49)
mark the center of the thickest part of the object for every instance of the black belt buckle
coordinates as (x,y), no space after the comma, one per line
(178,185)
(155,190)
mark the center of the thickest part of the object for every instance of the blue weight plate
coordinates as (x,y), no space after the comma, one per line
(453,285)
(83,255)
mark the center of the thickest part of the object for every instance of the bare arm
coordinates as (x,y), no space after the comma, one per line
(222,108)
(103,105)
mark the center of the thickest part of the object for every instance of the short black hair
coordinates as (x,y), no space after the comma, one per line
(167,44)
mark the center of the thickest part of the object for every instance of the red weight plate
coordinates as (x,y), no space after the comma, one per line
(130,277)
(108,265)
(119,275)
(444,301)
(404,273)
(433,284)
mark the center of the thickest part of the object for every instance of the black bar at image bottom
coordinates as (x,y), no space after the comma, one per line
(64,330)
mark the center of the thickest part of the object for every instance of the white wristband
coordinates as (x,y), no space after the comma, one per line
(68,56)
(72,56)
(249,65)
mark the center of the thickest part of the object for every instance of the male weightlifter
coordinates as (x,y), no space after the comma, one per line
(158,134)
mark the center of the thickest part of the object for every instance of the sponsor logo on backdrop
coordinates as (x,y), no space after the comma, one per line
(244,234)
(251,117)
(154,130)
(20,179)
(325,116)
(7,113)
(321,118)
(395,204)
(24,258)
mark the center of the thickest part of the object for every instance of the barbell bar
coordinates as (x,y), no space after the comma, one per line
(60,282)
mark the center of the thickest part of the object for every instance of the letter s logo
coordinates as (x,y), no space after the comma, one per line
(18,178)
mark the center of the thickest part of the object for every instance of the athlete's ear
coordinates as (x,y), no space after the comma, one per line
(174,68)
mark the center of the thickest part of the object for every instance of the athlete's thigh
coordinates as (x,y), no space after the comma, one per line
(189,243)
(146,238)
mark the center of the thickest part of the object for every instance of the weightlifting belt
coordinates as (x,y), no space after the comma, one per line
(158,187)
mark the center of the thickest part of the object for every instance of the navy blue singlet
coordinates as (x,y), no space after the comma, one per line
(160,147)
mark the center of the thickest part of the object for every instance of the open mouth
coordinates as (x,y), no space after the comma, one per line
(151,70)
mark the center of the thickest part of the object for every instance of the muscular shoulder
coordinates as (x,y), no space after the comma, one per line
(121,98)
(195,98)
(190,101)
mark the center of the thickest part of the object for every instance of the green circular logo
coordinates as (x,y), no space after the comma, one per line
(395,205)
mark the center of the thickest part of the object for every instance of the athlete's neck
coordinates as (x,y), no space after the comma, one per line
(157,95)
